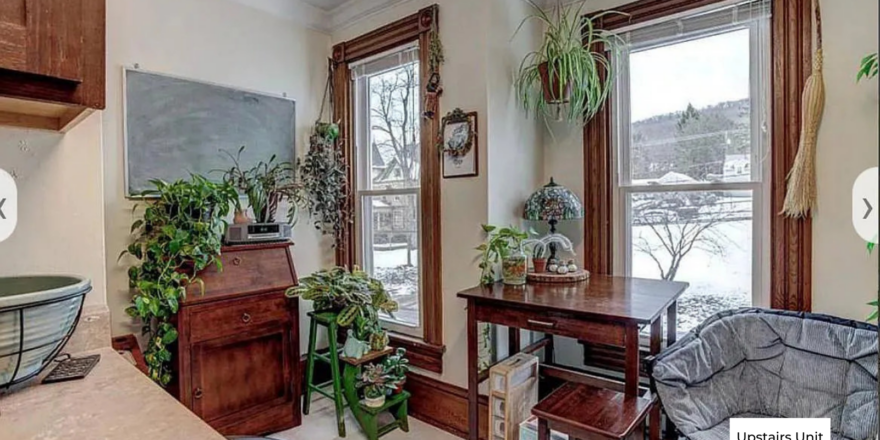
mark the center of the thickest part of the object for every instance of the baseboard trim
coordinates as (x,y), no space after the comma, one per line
(443,405)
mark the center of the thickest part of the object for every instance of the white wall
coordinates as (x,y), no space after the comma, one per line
(61,212)
(477,76)
(211,40)
(844,277)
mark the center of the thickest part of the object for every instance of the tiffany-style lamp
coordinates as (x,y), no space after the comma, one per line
(552,203)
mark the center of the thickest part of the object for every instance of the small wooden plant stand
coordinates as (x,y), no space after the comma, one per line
(368,417)
(346,387)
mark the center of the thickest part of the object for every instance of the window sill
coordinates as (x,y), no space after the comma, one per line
(421,354)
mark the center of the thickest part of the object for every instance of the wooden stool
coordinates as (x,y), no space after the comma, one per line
(589,413)
(326,319)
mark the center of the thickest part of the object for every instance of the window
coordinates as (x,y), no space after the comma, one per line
(387,112)
(691,130)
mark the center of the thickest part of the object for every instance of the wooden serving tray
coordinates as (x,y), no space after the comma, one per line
(547,277)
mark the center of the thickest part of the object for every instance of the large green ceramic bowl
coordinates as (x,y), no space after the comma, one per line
(37,317)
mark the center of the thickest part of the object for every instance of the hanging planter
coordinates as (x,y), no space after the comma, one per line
(324,175)
(555,91)
(565,79)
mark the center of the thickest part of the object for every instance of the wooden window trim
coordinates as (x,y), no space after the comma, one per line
(790,239)
(428,353)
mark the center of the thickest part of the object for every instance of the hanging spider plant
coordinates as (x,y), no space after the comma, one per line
(564,78)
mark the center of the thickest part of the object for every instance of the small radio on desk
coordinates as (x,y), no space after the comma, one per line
(257,233)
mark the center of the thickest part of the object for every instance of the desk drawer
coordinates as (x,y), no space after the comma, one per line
(226,318)
(600,332)
(249,270)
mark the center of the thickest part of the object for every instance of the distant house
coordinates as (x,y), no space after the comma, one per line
(737,167)
(393,215)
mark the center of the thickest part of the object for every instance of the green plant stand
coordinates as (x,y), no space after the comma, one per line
(367,417)
(328,320)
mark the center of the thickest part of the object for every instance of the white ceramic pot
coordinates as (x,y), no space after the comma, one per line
(374,402)
(40,312)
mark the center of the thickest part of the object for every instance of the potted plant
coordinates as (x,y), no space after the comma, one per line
(538,257)
(357,297)
(179,235)
(266,185)
(397,365)
(323,175)
(566,70)
(376,384)
(503,246)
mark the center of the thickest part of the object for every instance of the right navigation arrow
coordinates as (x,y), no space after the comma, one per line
(870,208)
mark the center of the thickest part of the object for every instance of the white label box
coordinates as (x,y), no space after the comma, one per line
(780,429)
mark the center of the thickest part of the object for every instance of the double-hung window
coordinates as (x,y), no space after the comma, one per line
(387,184)
(691,130)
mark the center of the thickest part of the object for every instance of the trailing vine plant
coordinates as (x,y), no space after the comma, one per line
(324,178)
(324,174)
(179,235)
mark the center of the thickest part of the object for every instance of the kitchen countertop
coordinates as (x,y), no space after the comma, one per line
(115,401)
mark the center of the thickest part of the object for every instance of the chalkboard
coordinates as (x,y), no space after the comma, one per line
(175,126)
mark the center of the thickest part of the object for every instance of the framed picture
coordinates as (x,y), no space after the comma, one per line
(459,143)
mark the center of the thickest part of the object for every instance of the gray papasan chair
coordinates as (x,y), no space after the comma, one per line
(771,363)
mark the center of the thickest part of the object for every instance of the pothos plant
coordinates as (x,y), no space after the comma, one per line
(500,243)
(566,78)
(323,175)
(178,235)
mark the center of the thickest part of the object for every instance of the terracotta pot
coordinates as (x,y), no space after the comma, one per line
(540,264)
(241,218)
(552,87)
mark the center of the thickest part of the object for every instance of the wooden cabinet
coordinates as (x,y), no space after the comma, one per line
(52,62)
(238,350)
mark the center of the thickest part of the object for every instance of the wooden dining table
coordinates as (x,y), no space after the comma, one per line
(604,310)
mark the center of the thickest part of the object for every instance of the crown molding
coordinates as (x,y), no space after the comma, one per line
(297,11)
(354,11)
(312,17)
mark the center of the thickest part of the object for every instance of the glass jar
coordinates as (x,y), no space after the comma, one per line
(514,268)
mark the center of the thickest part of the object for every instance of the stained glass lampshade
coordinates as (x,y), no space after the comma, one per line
(552,203)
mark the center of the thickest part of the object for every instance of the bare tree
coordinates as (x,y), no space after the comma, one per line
(395,108)
(677,232)
(395,124)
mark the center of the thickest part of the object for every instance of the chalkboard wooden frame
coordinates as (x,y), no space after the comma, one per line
(132,193)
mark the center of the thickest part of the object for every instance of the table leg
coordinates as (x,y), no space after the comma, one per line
(548,350)
(671,336)
(671,323)
(631,375)
(543,430)
(473,372)
(514,344)
(656,343)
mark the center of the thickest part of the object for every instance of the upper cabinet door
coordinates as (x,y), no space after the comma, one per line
(42,37)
